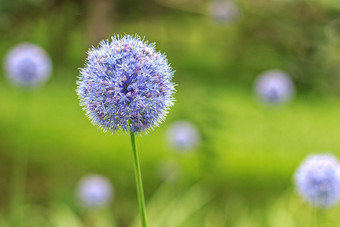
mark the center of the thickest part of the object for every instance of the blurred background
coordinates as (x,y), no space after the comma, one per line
(239,171)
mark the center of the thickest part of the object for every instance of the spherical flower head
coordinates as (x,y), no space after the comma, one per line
(274,87)
(27,65)
(183,135)
(94,191)
(318,180)
(126,84)
(224,11)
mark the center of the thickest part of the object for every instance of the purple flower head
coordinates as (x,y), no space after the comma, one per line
(126,84)
(274,87)
(318,180)
(183,135)
(224,11)
(27,65)
(94,191)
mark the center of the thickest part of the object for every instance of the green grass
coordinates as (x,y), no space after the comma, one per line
(244,143)
(240,175)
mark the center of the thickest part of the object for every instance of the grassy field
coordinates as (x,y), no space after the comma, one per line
(248,150)
(241,174)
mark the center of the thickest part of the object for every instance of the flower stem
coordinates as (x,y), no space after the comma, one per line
(320,217)
(18,187)
(138,180)
(19,168)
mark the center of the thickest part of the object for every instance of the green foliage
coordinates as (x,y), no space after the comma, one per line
(240,176)
(296,36)
(246,147)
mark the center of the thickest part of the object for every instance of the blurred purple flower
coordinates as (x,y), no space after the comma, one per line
(224,11)
(183,135)
(94,191)
(274,87)
(126,85)
(27,65)
(318,180)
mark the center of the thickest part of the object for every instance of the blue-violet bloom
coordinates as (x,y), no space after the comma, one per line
(318,180)
(94,191)
(126,84)
(274,87)
(27,65)
(224,11)
(183,135)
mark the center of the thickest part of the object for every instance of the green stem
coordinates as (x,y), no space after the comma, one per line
(138,180)
(19,169)
(18,187)
(320,217)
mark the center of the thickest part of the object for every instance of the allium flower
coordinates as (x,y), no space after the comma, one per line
(27,65)
(224,11)
(94,191)
(318,180)
(183,135)
(126,84)
(274,87)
